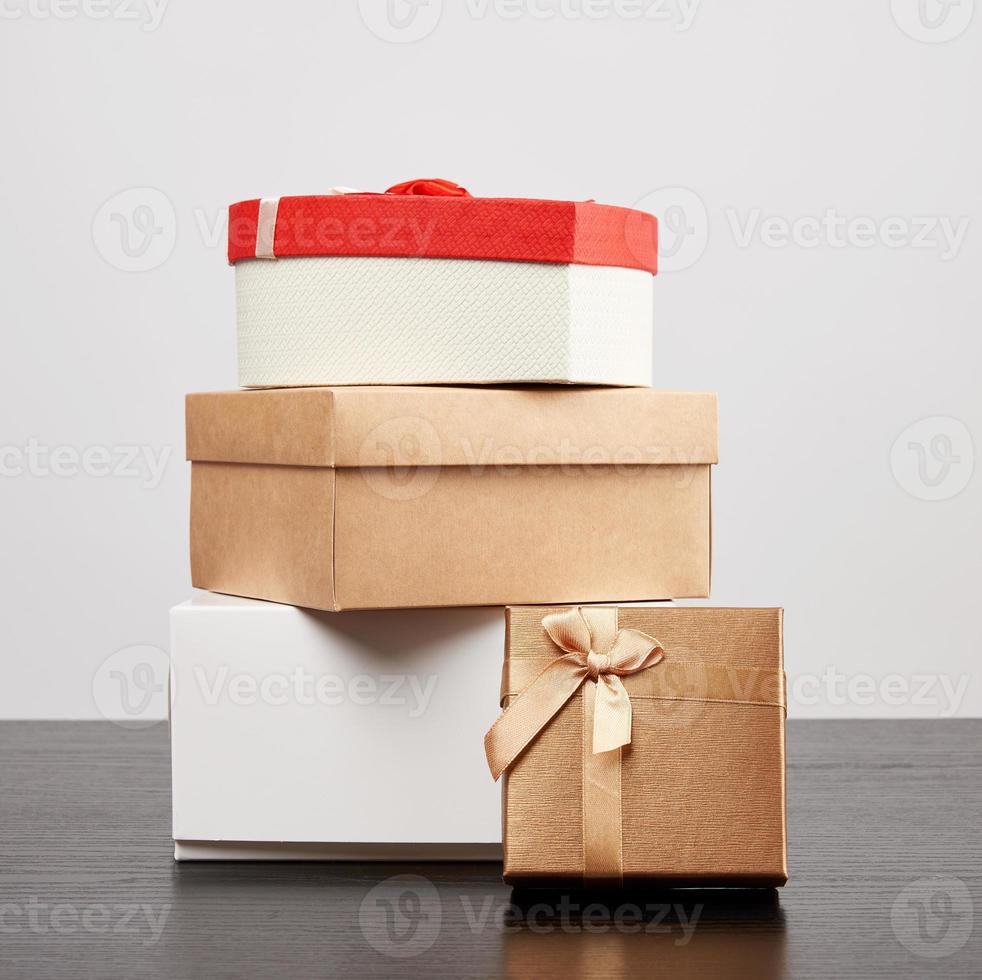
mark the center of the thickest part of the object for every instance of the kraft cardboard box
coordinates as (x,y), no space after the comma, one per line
(399,497)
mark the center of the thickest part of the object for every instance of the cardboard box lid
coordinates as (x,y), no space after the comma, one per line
(454,227)
(446,426)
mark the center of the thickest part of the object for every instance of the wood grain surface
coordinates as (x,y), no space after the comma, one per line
(885,859)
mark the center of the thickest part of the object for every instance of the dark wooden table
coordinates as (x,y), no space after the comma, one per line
(886,865)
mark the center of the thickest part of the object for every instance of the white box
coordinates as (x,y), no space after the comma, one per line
(357,735)
(338,320)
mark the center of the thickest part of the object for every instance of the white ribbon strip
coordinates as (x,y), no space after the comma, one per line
(266,227)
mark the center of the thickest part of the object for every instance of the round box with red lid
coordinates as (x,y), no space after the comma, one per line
(425,284)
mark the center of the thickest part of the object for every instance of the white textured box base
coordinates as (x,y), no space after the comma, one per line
(329,320)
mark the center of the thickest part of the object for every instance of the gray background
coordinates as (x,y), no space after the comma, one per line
(846,356)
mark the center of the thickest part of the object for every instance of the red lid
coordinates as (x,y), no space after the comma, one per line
(439,219)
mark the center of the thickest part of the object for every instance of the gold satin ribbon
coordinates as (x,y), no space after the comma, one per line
(598,655)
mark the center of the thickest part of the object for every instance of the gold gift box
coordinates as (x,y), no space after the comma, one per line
(697,796)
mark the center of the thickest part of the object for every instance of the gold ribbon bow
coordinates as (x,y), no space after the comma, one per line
(599,658)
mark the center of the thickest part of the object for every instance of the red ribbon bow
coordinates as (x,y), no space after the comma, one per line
(429,187)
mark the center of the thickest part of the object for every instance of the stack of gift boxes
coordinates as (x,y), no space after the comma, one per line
(438,529)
